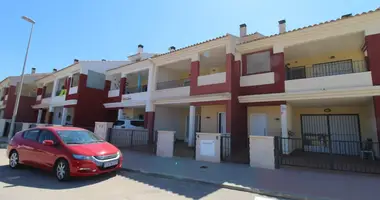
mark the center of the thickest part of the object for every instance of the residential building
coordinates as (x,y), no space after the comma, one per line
(319,83)
(8,92)
(74,95)
(290,84)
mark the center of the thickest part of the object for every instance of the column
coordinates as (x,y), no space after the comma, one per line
(284,127)
(120,114)
(54,88)
(149,117)
(64,114)
(191,127)
(39,116)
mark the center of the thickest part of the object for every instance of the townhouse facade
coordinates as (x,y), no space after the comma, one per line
(8,92)
(319,81)
(73,95)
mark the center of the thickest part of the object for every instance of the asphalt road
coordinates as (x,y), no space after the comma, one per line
(29,183)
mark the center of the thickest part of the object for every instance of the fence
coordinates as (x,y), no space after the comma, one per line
(137,139)
(342,155)
(327,69)
(173,84)
(225,147)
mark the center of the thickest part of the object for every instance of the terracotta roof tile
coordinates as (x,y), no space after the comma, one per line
(191,45)
(305,27)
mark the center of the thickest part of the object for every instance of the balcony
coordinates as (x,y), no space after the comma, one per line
(173,84)
(330,75)
(132,90)
(212,79)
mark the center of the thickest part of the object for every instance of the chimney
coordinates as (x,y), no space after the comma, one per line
(243,30)
(76,60)
(172,48)
(140,48)
(282,26)
(54,70)
(33,70)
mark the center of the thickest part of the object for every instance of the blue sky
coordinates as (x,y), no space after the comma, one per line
(97,29)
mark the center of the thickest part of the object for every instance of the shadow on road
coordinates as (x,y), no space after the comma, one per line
(35,178)
(188,189)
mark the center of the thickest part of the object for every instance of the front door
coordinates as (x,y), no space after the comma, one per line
(222,122)
(258,124)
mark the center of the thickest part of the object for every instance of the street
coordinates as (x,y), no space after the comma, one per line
(27,182)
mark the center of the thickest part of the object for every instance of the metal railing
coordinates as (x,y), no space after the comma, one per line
(135,139)
(131,90)
(326,69)
(173,84)
(342,155)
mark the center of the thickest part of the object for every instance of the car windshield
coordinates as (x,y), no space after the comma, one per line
(78,137)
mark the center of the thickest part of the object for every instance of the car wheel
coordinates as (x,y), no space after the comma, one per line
(62,170)
(14,160)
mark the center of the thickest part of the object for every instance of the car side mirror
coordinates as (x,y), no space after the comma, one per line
(48,142)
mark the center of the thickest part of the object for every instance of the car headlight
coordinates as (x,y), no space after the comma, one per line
(119,153)
(82,157)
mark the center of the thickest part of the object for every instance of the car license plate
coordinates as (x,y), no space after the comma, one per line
(110,163)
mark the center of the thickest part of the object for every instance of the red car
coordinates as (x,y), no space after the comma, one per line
(68,151)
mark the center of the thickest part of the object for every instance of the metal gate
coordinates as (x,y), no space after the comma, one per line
(329,142)
(337,134)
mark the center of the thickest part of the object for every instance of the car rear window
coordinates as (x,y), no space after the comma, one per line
(118,123)
(137,123)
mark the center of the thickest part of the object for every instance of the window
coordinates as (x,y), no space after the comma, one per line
(32,134)
(258,62)
(296,73)
(95,80)
(47,135)
(75,80)
(137,123)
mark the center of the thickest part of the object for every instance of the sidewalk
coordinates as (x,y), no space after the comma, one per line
(286,182)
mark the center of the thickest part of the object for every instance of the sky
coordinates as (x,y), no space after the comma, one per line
(112,29)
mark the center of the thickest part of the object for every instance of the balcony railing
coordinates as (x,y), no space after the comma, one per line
(326,69)
(131,90)
(173,84)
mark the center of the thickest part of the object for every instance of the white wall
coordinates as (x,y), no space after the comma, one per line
(212,79)
(329,82)
(171,119)
(257,79)
(172,92)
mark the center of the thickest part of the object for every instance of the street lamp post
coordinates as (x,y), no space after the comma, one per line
(11,130)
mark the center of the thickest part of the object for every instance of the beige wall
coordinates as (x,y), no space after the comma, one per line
(308,62)
(273,118)
(209,118)
(365,118)
(171,119)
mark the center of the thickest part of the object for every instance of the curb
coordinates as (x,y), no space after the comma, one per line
(226,186)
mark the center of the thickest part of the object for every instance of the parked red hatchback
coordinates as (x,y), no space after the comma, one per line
(68,151)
